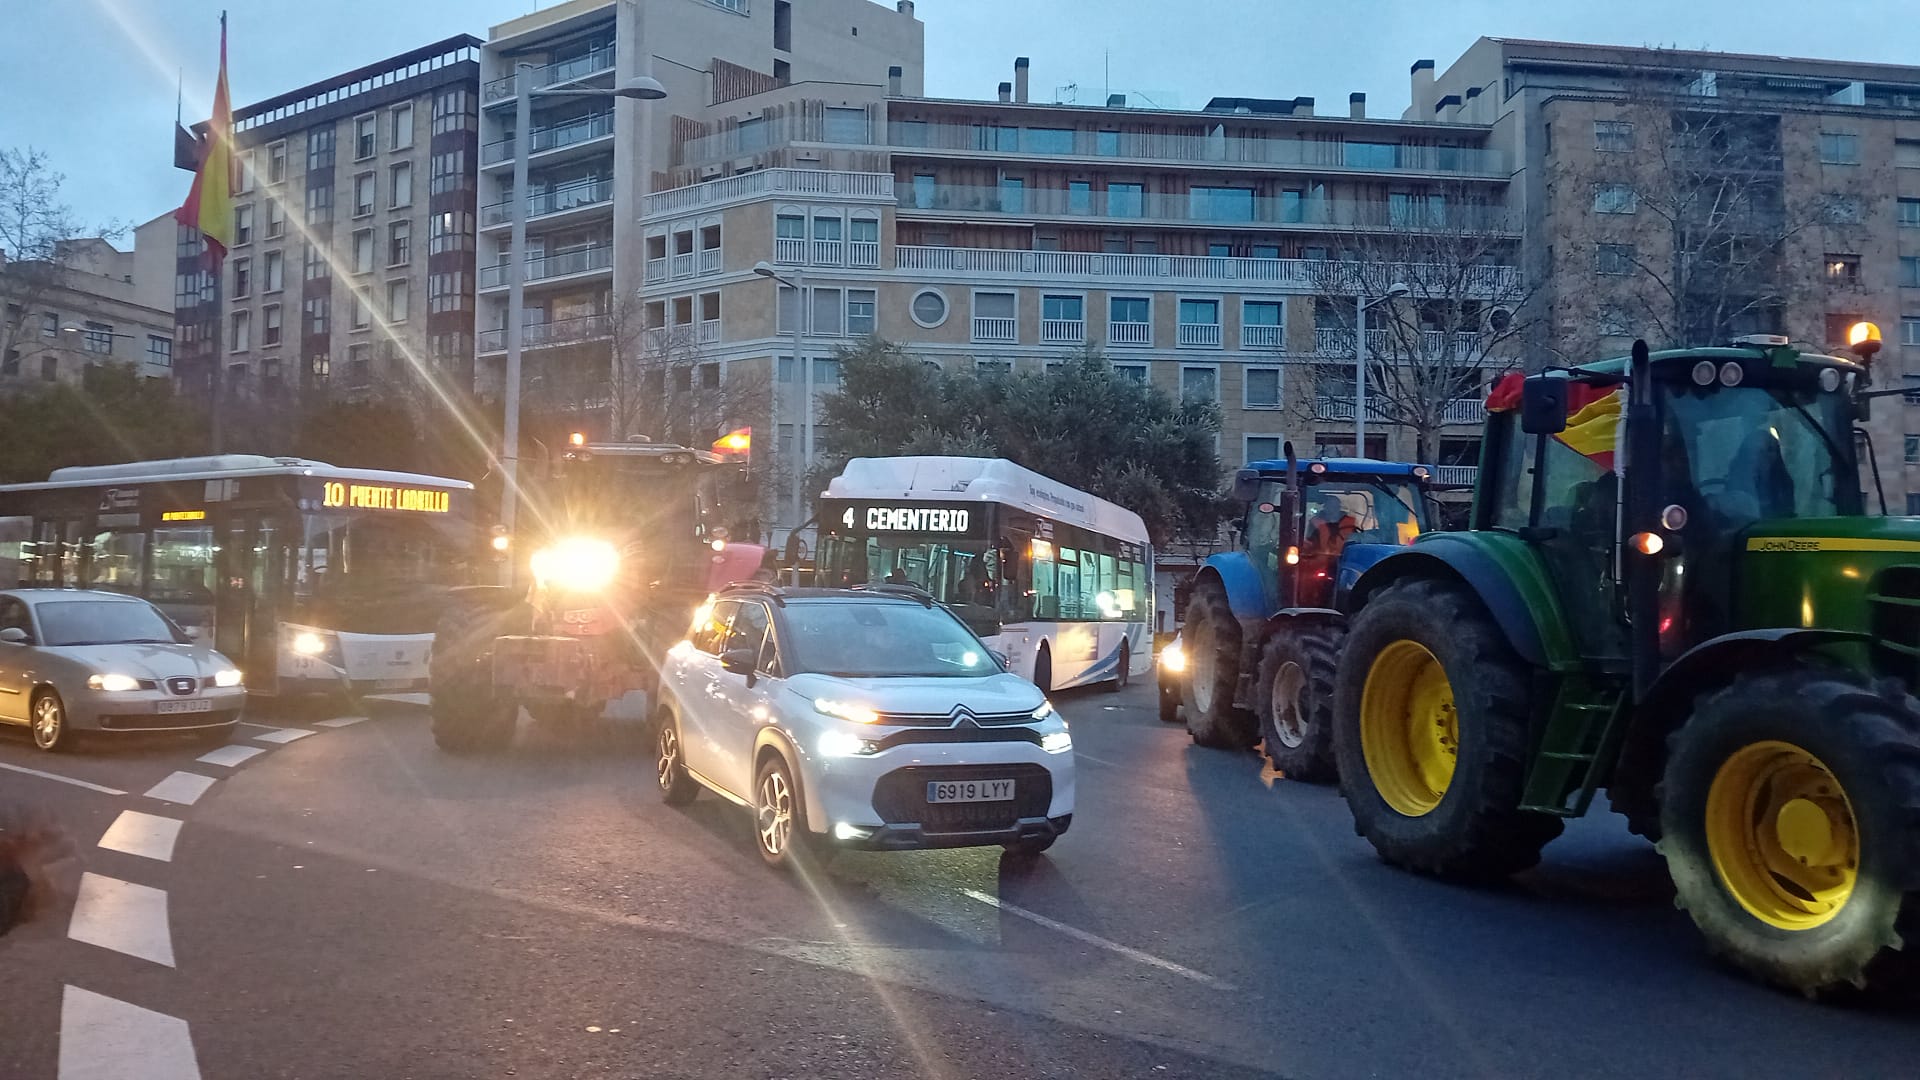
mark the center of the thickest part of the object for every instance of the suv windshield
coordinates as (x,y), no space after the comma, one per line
(104,622)
(871,638)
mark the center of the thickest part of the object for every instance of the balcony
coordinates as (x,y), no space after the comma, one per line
(827,252)
(1129,333)
(709,260)
(1263,211)
(560,264)
(864,254)
(993,328)
(1063,331)
(1263,337)
(1471,410)
(1438,343)
(756,185)
(683,264)
(561,332)
(599,60)
(657,269)
(552,137)
(789,251)
(578,195)
(1200,335)
(1338,343)
(709,331)
(1340,407)
(1293,275)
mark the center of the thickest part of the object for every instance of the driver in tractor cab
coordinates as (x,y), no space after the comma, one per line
(1328,531)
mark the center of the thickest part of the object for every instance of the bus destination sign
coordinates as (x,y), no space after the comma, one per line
(875,519)
(384,497)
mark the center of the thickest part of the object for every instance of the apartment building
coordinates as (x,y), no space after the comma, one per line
(352,270)
(1193,248)
(593,160)
(1813,166)
(96,304)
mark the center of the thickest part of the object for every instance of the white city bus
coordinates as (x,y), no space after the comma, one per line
(1058,581)
(313,578)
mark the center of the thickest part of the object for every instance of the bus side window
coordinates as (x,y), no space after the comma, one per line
(1046,598)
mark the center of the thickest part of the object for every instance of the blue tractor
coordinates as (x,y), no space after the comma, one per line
(1264,624)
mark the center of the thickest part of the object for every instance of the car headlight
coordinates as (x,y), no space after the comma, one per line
(112,683)
(1174,657)
(308,643)
(1056,742)
(227,677)
(845,710)
(841,744)
(577,564)
(1045,710)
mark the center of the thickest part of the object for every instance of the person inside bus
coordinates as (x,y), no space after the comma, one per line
(898,576)
(977,587)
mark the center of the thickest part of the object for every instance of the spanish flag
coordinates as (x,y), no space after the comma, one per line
(1593,415)
(209,205)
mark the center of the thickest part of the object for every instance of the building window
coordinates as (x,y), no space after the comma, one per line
(1013,195)
(451,230)
(825,373)
(1909,212)
(995,317)
(50,368)
(276,162)
(1262,324)
(363,251)
(1125,200)
(1909,272)
(1107,144)
(1614,199)
(1263,448)
(363,194)
(10,364)
(320,149)
(925,191)
(320,205)
(273,272)
(1262,388)
(1839,148)
(1844,268)
(270,325)
(159,353)
(828,315)
(846,127)
(993,367)
(366,141)
(358,317)
(97,338)
(1913,503)
(1906,153)
(50,325)
(402,126)
(240,332)
(1131,372)
(1079,197)
(1129,320)
(1613,136)
(399,243)
(863,241)
(318,311)
(243,173)
(1842,209)
(1910,330)
(862,306)
(1220,203)
(929,308)
(1613,259)
(1199,322)
(1199,384)
(276,219)
(400,186)
(1046,141)
(1063,320)
(1913,449)
(242,278)
(359,364)
(397,301)
(243,225)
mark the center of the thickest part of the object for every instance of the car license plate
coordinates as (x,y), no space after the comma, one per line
(191,706)
(943,791)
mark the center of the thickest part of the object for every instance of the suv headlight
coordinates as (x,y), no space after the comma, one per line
(1056,742)
(577,564)
(1045,710)
(841,744)
(112,683)
(845,710)
(227,677)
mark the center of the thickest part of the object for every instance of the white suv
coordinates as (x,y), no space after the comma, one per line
(868,718)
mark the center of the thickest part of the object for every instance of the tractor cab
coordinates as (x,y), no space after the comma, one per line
(1312,526)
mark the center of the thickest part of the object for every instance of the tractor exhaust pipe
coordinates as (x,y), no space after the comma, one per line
(1640,479)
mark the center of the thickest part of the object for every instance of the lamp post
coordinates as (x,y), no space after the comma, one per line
(1361,304)
(803,371)
(640,88)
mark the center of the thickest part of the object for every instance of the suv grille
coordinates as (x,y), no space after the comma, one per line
(901,797)
(947,719)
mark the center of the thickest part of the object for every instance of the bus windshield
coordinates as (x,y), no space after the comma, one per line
(963,573)
(368,573)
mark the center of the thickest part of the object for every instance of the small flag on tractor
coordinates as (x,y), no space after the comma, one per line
(1593,415)
(209,205)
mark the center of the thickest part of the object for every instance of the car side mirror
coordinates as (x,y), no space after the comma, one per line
(13,635)
(1005,660)
(1543,405)
(740,662)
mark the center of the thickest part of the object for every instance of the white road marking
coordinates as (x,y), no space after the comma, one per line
(103,1038)
(122,916)
(61,779)
(340,721)
(283,735)
(267,727)
(184,788)
(231,755)
(1096,940)
(146,835)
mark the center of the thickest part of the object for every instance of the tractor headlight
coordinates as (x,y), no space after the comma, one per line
(1174,656)
(577,564)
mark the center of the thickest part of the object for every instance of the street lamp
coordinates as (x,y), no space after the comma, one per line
(1395,291)
(640,87)
(803,370)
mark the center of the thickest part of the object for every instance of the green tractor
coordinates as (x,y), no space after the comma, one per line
(1670,590)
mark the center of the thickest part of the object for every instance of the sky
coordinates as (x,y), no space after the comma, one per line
(93,82)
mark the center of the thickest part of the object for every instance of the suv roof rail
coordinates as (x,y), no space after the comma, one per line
(908,591)
(769,589)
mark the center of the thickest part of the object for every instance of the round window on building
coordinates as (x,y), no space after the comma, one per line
(929,308)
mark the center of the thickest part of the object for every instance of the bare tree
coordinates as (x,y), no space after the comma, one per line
(36,231)
(1448,306)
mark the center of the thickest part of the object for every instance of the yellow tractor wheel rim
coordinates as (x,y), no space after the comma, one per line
(1782,835)
(1409,734)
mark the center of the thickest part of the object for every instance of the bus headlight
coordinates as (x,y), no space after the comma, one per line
(227,677)
(308,643)
(577,564)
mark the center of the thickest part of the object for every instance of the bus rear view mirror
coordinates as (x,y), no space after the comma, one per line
(1543,405)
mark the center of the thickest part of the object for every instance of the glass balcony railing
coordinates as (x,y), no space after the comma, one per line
(1205,205)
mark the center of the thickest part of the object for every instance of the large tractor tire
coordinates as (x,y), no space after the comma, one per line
(468,716)
(1790,820)
(1213,672)
(1294,698)
(1430,735)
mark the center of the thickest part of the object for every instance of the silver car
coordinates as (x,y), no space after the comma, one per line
(83,660)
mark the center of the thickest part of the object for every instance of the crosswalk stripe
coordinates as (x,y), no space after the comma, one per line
(340,721)
(103,1038)
(230,755)
(146,835)
(122,916)
(283,735)
(181,787)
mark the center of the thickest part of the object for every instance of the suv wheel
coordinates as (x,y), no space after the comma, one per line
(676,787)
(779,815)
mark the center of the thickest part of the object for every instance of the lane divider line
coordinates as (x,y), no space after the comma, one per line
(122,916)
(102,789)
(184,788)
(103,1038)
(231,755)
(1096,940)
(283,735)
(340,721)
(149,836)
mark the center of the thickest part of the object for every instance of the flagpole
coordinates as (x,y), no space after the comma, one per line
(216,428)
